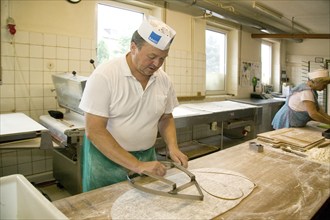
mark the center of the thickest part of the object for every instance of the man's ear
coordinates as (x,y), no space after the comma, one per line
(133,48)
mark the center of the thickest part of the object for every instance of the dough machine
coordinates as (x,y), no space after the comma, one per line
(67,131)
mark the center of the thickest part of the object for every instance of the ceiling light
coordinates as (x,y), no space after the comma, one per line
(214,14)
(264,30)
(266,10)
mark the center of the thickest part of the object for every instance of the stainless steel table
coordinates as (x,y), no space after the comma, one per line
(269,108)
(236,113)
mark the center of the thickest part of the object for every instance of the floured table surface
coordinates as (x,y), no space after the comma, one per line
(288,187)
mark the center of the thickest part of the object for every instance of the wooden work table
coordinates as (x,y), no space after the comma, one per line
(288,186)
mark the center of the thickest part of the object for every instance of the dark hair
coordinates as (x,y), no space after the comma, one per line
(138,40)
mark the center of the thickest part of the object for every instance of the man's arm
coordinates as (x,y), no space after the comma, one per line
(167,130)
(97,133)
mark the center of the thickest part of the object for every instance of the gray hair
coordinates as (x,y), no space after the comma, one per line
(138,40)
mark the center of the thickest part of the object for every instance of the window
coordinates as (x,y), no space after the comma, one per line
(115,26)
(266,62)
(215,47)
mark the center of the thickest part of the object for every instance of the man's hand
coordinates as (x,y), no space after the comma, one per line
(179,157)
(154,167)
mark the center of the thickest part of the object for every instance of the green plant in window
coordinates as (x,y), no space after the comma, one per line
(102,52)
(123,44)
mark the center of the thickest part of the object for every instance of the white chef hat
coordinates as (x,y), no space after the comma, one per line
(320,73)
(156,33)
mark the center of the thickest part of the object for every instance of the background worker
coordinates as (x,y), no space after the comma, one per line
(126,102)
(301,105)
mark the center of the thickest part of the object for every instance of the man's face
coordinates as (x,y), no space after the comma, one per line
(148,59)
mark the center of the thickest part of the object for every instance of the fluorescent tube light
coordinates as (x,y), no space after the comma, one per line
(264,30)
(266,10)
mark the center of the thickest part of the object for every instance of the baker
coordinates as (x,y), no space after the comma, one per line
(302,105)
(126,102)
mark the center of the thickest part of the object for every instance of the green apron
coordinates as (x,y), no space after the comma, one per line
(98,170)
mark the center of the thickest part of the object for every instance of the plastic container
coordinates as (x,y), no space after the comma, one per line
(19,199)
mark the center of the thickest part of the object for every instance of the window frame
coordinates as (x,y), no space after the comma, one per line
(270,44)
(216,28)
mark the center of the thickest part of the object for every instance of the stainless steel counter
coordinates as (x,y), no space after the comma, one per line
(269,109)
(207,112)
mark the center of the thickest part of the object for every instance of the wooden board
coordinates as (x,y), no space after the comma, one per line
(296,137)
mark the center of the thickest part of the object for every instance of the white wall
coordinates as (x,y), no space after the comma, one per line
(233,64)
(309,47)
(186,62)
(249,51)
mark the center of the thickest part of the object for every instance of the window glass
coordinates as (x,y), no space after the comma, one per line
(266,62)
(215,61)
(115,26)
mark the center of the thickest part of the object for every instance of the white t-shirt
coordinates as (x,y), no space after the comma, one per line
(296,100)
(113,92)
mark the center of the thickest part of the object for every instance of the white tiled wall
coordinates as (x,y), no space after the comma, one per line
(187,72)
(27,162)
(28,61)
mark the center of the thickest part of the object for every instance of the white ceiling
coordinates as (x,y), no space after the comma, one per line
(312,14)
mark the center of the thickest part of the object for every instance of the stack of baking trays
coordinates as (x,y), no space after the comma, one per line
(298,139)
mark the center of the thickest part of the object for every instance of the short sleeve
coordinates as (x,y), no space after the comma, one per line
(97,96)
(307,95)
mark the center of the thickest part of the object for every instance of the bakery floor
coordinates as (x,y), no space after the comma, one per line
(52,190)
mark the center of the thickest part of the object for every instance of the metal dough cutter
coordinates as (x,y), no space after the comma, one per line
(175,190)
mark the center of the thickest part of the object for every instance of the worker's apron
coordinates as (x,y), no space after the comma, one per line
(287,117)
(99,171)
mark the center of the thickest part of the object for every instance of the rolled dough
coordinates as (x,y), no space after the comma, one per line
(223,190)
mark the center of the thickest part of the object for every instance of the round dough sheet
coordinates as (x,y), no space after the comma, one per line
(222,189)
